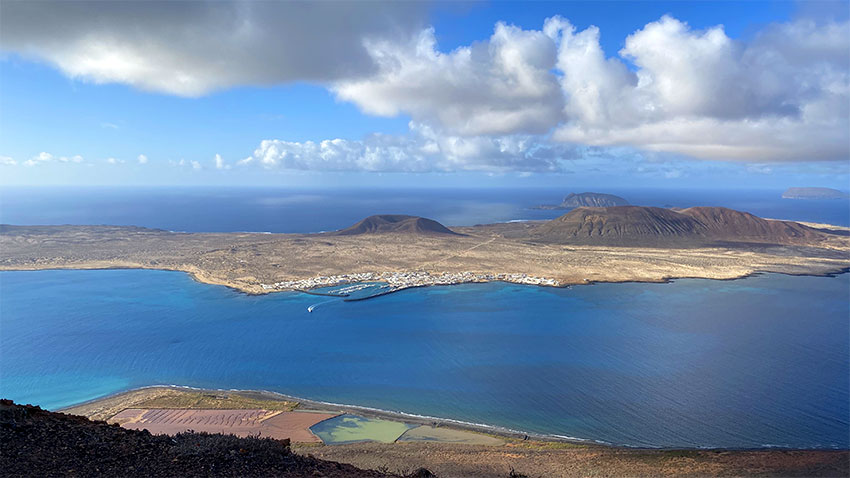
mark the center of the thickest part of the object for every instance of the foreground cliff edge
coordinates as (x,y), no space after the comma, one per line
(586,245)
(36,442)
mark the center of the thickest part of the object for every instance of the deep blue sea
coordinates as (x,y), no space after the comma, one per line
(751,363)
(307,210)
(757,362)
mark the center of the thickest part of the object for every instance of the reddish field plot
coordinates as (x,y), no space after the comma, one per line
(256,422)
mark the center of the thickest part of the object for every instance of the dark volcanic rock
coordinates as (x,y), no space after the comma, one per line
(813,193)
(395,223)
(35,442)
(650,226)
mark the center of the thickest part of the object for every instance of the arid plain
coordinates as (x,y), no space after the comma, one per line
(254,262)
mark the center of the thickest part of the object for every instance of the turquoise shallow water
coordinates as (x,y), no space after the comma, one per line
(349,428)
(758,362)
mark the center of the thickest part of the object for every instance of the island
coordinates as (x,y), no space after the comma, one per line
(574,200)
(585,245)
(814,193)
(175,431)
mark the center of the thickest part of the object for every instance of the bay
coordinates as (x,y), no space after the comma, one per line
(756,362)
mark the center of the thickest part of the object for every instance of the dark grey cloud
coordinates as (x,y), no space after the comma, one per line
(192,48)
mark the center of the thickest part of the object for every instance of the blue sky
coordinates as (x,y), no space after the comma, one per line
(431,95)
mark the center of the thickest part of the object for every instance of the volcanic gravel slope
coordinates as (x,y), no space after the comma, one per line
(653,226)
(36,442)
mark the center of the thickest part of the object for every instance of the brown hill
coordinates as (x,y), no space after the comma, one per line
(35,442)
(395,223)
(729,224)
(619,224)
(649,226)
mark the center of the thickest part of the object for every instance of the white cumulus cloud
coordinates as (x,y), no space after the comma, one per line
(423,150)
(501,86)
(7,161)
(142,159)
(781,97)
(44,157)
(784,95)
(219,162)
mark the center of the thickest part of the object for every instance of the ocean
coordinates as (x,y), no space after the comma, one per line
(309,210)
(697,363)
(757,362)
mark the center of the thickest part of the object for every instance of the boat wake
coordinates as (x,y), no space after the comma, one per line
(311,308)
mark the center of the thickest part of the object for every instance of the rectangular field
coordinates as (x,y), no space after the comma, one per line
(253,422)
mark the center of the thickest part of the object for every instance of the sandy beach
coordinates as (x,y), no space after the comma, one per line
(176,397)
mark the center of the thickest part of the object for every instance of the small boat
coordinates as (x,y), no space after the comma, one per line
(310,309)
